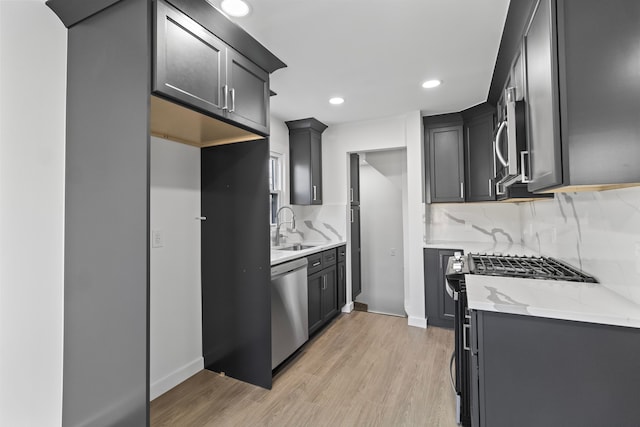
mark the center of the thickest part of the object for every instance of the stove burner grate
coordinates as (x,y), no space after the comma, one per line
(526,267)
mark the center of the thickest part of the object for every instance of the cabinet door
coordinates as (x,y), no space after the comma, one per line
(316,168)
(356,281)
(315,284)
(354,174)
(329,293)
(248,87)
(342,284)
(189,61)
(480,169)
(440,307)
(542,99)
(446,164)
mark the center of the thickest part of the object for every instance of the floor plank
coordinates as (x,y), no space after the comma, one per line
(363,370)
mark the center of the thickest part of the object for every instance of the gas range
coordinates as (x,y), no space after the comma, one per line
(459,265)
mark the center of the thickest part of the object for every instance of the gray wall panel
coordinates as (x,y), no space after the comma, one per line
(105,379)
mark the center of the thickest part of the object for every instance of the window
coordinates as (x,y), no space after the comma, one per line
(275,185)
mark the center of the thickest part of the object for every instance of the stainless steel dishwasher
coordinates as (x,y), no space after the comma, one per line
(289,309)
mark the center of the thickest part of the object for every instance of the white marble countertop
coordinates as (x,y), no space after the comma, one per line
(583,302)
(280,256)
(502,248)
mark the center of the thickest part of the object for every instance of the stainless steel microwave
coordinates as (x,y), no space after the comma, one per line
(510,144)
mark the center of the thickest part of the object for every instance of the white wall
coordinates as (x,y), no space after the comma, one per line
(382,179)
(403,131)
(598,232)
(175,298)
(32,117)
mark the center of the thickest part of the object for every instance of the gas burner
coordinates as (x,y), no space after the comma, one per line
(526,267)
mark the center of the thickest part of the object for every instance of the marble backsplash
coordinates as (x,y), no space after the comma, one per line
(324,223)
(472,222)
(599,232)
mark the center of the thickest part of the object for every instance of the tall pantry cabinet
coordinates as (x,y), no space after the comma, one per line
(110,114)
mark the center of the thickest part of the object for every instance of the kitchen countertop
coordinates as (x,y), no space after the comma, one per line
(583,302)
(502,248)
(280,256)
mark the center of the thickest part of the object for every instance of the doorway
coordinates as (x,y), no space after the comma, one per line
(383,201)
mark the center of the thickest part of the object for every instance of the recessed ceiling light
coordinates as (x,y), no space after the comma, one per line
(431,84)
(336,101)
(237,8)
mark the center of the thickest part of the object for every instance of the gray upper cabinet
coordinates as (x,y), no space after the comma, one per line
(542,98)
(305,157)
(200,71)
(583,94)
(445,143)
(354,179)
(248,92)
(459,156)
(479,154)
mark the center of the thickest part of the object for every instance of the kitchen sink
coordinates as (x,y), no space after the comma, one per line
(296,247)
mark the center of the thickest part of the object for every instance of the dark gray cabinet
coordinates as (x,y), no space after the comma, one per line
(460,156)
(322,285)
(342,276)
(533,371)
(354,179)
(479,171)
(356,251)
(583,97)
(197,69)
(445,154)
(305,157)
(439,306)
(248,93)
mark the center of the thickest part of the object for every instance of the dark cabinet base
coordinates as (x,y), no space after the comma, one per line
(533,371)
(439,306)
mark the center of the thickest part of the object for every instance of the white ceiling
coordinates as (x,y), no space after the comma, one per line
(376,54)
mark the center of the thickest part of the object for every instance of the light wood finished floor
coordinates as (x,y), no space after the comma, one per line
(364,370)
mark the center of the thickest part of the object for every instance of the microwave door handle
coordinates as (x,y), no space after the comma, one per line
(501,128)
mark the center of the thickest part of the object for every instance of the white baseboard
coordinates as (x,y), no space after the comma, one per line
(418,322)
(176,377)
(348,308)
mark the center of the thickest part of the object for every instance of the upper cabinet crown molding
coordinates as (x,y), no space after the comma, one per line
(71,12)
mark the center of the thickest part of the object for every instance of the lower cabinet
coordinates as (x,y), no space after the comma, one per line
(342,276)
(323,288)
(439,306)
(534,371)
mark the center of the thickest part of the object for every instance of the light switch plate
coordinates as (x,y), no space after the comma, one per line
(157,239)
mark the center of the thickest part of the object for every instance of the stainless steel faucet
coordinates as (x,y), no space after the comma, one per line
(278,223)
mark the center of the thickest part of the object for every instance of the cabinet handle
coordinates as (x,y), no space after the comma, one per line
(490,187)
(324,283)
(315,264)
(462,190)
(466,328)
(233,100)
(225,95)
(525,178)
(351,216)
(351,194)
(315,190)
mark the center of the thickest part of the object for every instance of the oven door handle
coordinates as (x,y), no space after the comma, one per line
(466,329)
(453,294)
